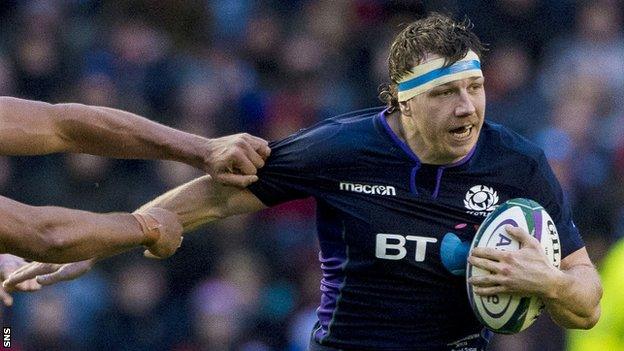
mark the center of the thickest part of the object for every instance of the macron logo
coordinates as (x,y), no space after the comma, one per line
(369,189)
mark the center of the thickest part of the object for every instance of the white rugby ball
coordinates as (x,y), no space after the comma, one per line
(506,313)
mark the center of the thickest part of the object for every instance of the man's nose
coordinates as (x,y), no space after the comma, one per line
(464,107)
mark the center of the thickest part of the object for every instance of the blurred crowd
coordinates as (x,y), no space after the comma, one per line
(554,73)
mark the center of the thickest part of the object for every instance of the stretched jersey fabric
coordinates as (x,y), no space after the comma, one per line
(381,218)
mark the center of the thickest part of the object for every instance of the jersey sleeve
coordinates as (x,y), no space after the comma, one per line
(550,195)
(292,170)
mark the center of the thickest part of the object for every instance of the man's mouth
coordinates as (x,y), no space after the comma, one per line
(462,132)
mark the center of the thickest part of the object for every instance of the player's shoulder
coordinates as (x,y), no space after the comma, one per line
(340,126)
(505,143)
(333,137)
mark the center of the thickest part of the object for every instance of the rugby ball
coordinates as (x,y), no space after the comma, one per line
(506,313)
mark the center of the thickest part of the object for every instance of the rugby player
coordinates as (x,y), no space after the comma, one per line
(390,185)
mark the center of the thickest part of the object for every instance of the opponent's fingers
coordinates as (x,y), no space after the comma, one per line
(28,272)
(252,139)
(264,151)
(25,267)
(67,272)
(49,279)
(244,149)
(150,255)
(484,263)
(242,163)
(7,299)
(28,286)
(256,159)
(35,269)
(162,252)
(6,271)
(260,145)
(246,153)
(237,180)
(10,264)
(56,277)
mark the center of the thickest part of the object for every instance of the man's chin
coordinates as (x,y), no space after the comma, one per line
(460,153)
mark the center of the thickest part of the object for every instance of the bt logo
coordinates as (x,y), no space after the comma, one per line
(392,246)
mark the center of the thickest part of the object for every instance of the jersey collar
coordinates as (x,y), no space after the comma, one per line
(408,151)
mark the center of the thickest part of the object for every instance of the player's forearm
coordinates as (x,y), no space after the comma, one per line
(203,200)
(574,300)
(114,133)
(80,235)
(195,203)
(34,128)
(53,234)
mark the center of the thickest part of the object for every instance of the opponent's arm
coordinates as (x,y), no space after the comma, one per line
(203,200)
(56,234)
(34,128)
(572,294)
(195,203)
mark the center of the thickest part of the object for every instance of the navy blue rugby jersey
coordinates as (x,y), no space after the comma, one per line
(381,218)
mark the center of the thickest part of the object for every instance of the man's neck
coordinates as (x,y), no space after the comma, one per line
(404,128)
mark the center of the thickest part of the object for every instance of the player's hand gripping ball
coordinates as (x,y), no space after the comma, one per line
(506,313)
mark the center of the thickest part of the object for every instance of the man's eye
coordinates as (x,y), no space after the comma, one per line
(447,92)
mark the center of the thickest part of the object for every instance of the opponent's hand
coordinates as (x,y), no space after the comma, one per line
(170,237)
(46,274)
(8,265)
(524,272)
(235,159)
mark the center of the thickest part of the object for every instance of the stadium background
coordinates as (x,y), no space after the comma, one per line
(555,73)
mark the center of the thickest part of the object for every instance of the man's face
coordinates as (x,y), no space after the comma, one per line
(445,121)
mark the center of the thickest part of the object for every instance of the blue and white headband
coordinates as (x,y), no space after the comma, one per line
(433,73)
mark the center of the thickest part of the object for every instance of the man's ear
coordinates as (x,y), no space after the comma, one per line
(405,108)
